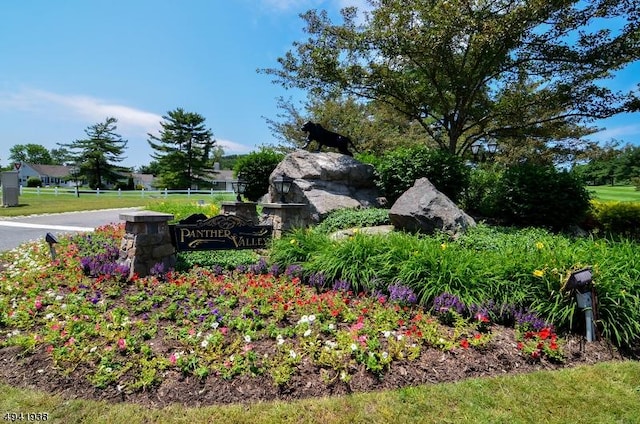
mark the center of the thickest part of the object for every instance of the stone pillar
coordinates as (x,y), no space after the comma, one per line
(147,242)
(244,210)
(285,216)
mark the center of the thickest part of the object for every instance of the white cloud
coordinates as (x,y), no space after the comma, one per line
(231,147)
(617,132)
(91,108)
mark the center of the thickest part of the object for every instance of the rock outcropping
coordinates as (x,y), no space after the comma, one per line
(424,209)
(325,182)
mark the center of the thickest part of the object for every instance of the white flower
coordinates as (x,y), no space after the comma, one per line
(303,320)
(247,338)
(214,324)
(49,316)
(385,355)
(354,346)
(279,339)
(93,349)
(205,343)
(331,326)
(399,337)
(311,318)
(386,334)
(293,354)
(307,333)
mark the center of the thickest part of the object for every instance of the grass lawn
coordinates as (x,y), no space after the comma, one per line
(47,202)
(603,393)
(615,193)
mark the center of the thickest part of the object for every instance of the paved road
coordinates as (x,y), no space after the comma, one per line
(15,231)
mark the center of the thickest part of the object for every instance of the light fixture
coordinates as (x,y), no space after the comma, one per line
(581,281)
(492,147)
(51,240)
(283,185)
(239,187)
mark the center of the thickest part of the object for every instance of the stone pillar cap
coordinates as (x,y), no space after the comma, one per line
(146,216)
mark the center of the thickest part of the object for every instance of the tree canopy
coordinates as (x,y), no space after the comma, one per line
(469,71)
(98,154)
(184,150)
(30,153)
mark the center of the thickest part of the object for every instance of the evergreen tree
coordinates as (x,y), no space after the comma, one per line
(184,150)
(97,155)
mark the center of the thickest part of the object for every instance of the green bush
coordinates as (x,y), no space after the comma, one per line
(225,259)
(255,168)
(34,182)
(398,170)
(534,195)
(617,218)
(479,197)
(353,218)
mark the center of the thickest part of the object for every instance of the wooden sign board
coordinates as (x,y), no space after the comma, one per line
(222,232)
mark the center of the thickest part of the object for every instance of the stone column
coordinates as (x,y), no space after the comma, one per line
(244,210)
(147,242)
(285,216)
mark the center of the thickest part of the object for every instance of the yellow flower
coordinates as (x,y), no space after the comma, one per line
(443,246)
(539,245)
(356,230)
(293,241)
(538,273)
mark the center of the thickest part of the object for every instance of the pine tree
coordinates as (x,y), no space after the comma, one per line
(184,149)
(97,155)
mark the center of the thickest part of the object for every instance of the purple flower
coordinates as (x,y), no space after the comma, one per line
(448,302)
(342,285)
(293,271)
(401,293)
(317,280)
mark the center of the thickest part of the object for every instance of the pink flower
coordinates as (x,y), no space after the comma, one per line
(173,359)
(122,344)
(38,304)
(224,330)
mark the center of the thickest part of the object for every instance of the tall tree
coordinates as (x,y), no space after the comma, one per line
(472,70)
(30,153)
(98,154)
(184,150)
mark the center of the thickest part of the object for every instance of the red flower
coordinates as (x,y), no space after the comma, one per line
(464,343)
(545,333)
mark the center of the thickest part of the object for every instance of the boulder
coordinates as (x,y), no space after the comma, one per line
(424,209)
(325,182)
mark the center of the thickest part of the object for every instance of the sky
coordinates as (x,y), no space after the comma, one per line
(68,64)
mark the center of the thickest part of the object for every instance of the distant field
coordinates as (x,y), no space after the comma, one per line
(48,202)
(615,193)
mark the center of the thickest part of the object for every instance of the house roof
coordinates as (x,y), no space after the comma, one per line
(59,171)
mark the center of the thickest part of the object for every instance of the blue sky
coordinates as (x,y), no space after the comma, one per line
(68,64)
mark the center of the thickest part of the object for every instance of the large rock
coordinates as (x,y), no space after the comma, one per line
(325,182)
(424,209)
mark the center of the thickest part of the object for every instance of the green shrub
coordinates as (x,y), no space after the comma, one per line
(479,197)
(617,218)
(255,168)
(537,195)
(34,182)
(353,218)
(398,170)
(225,259)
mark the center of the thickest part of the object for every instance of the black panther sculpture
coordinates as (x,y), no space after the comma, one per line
(328,138)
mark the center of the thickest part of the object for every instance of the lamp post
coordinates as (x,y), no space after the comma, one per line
(75,172)
(239,187)
(283,185)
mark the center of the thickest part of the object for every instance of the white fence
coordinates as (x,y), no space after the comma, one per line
(60,191)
